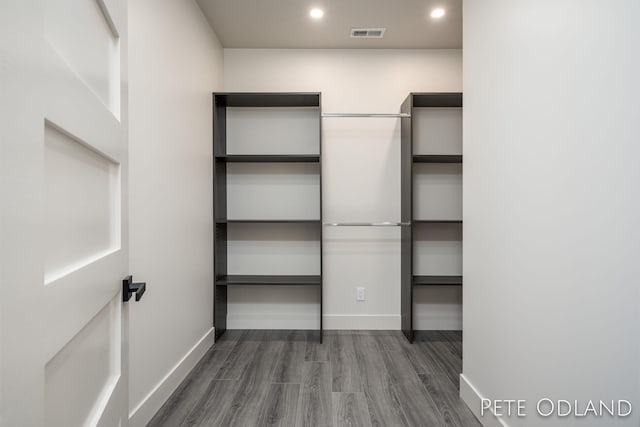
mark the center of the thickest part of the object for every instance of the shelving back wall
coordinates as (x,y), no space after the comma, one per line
(274,130)
(361,181)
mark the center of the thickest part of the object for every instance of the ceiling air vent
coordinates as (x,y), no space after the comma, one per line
(367,33)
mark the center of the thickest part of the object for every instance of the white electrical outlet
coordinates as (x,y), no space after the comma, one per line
(359,294)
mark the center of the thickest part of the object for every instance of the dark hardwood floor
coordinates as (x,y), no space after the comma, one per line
(356,378)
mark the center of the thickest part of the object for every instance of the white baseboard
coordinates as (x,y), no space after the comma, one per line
(361,321)
(473,399)
(146,409)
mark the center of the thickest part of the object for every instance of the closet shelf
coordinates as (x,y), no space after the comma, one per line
(262,280)
(268,221)
(436,99)
(269,158)
(437,221)
(437,280)
(437,158)
(267,99)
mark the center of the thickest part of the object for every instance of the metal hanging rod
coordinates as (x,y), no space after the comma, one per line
(367,224)
(388,116)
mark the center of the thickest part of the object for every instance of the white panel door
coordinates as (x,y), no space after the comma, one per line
(63,228)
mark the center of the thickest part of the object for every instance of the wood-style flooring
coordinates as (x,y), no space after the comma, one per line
(355,378)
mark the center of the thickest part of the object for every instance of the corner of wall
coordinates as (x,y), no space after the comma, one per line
(213,33)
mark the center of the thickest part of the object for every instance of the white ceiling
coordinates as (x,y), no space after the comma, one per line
(286,23)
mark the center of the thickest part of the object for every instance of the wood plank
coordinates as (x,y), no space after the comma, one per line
(448,359)
(413,352)
(241,356)
(384,407)
(230,338)
(288,368)
(453,410)
(315,351)
(245,404)
(426,361)
(254,386)
(314,409)
(280,407)
(350,410)
(395,342)
(398,366)
(212,405)
(454,340)
(418,407)
(181,402)
(371,366)
(345,373)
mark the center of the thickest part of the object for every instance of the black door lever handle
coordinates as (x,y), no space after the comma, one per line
(128,288)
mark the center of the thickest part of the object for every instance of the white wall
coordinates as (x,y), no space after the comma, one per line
(175,64)
(551,203)
(361,182)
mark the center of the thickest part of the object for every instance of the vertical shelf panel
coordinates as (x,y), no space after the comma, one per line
(406,214)
(219,211)
(220,310)
(320,290)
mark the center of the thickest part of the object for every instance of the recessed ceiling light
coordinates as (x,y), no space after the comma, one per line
(316,13)
(437,13)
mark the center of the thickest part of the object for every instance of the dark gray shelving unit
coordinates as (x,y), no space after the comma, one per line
(222,280)
(409,158)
